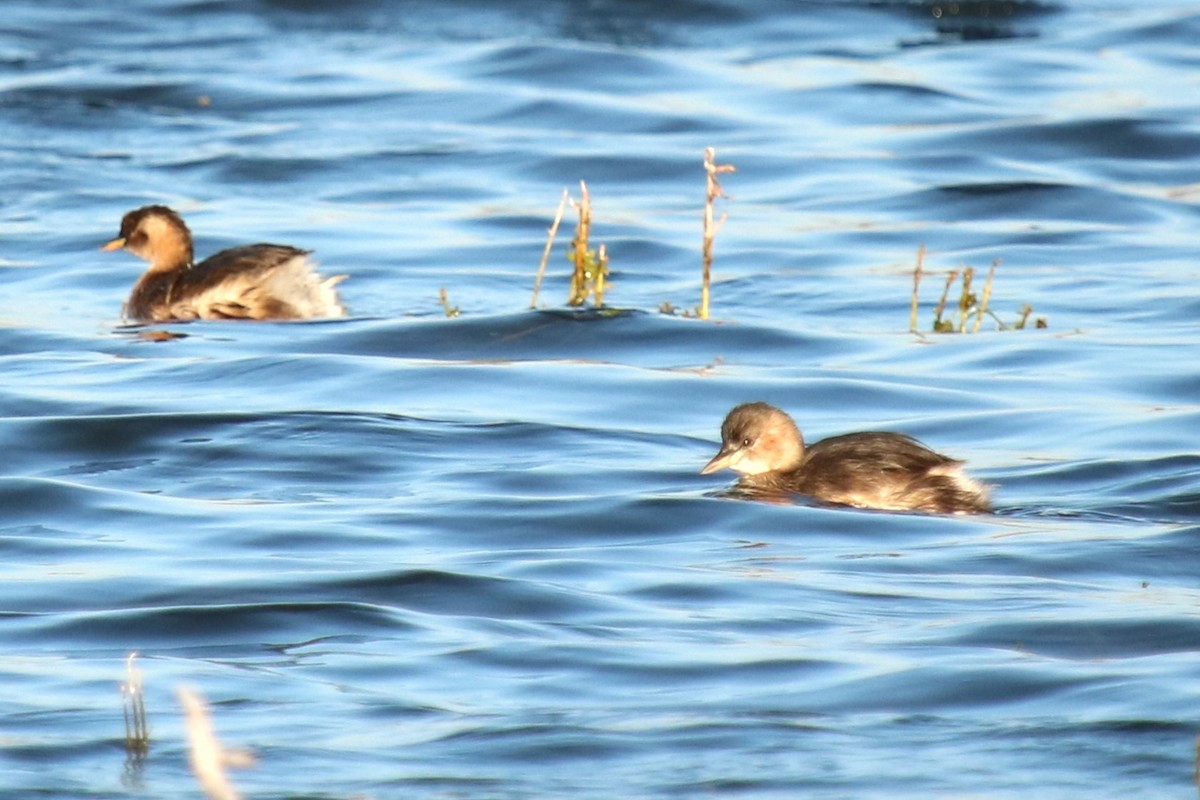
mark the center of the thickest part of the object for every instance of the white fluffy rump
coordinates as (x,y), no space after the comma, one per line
(291,290)
(297,283)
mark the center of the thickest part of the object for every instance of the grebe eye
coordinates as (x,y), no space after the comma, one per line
(747,442)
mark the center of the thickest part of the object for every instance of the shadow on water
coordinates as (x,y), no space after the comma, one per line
(617,335)
(973,20)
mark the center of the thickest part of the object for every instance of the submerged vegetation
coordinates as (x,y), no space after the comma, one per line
(447,309)
(971,308)
(589,273)
(133,706)
(590,269)
(208,758)
(591,266)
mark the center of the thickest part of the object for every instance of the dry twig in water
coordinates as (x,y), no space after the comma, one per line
(537,282)
(450,311)
(713,191)
(987,295)
(912,313)
(208,758)
(1196,771)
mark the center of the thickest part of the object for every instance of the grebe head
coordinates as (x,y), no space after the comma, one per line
(757,438)
(156,234)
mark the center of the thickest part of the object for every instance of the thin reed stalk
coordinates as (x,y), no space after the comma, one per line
(553,231)
(601,274)
(133,707)
(912,313)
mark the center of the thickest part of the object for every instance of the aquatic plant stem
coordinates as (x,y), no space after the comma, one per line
(137,734)
(987,295)
(579,246)
(601,274)
(965,299)
(449,310)
(941,306)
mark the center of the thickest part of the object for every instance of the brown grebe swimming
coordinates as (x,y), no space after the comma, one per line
(257,281)
(874,469)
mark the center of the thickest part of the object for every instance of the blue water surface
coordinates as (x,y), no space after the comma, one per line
(412,555)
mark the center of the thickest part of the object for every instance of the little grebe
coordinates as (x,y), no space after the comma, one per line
(256,281)
(886,471)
